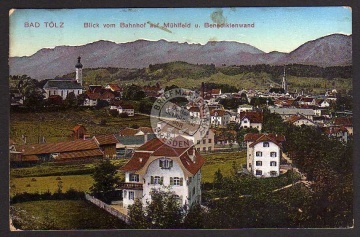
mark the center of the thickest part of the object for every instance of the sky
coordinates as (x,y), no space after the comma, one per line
(280,29)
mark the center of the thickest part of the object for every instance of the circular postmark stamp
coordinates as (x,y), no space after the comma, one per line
(180,118)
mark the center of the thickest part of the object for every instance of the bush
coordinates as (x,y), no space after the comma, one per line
(123,115)
(71,194)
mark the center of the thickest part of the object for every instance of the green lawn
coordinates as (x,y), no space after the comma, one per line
(44,177)
(63,215)
(52,169)
(43,184)
(222,161)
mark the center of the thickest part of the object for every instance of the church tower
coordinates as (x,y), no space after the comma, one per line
(79,67)
(284,82)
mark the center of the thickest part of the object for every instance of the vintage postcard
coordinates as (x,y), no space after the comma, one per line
(181,118)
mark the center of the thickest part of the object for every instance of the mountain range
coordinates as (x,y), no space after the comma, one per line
(331,50)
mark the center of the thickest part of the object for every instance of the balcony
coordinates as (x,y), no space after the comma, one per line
(135,186)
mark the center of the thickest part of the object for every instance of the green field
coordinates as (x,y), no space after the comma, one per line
(57,126)
(44,177)
(63,215)
(222,161)
(50,183)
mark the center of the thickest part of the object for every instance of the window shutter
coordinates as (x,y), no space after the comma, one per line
(171,181)
(161,163)
(181,181)
(152,180)
(171,164)
(161,180)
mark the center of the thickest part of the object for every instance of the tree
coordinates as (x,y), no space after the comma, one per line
(137,216)
(194,219)
(70,100)
(133,92)
(32,93)
(218,179)
(164,211)
(104,179)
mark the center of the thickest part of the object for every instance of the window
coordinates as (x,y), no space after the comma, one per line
(156,180)
(125,193)
(273,154)
(198,142)
(273,173)
(207,133)
(204,141)
(265,144)
(258,163)
(273,163)
(245,121)
(131,195)
(209,141)
(134,177)
(259,172)
(176,181)
(258,153)
(193,192)
(165,163)
(204,148)
(209,148)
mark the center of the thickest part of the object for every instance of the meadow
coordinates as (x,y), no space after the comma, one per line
(51,176)
(57,126)
(62,215)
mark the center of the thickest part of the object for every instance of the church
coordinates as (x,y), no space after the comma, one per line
(63,87)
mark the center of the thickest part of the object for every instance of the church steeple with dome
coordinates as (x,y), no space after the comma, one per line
(79,67)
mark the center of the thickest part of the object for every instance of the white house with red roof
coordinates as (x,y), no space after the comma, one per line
(264,154)
(251,119)
(156,165)
(299,120)
(219,118)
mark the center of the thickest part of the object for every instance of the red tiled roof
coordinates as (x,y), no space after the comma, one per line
(106,95)
(333,130)
(80,154)
(295,117)
(219,112)
(214,91)
(258,137)
(140,157)
(124,106)
(159,148)
(344,121)
(77,127)
(93,96)
(137,161)
(114,87)
(151,145)
(45,148)
(192,167)
(306,99)
(146,130)
(128,132)
(253,116)
(95,88)
(106,139)
(194,109)
(28,158)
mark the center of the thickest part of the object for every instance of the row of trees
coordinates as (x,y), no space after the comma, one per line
(298,70)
